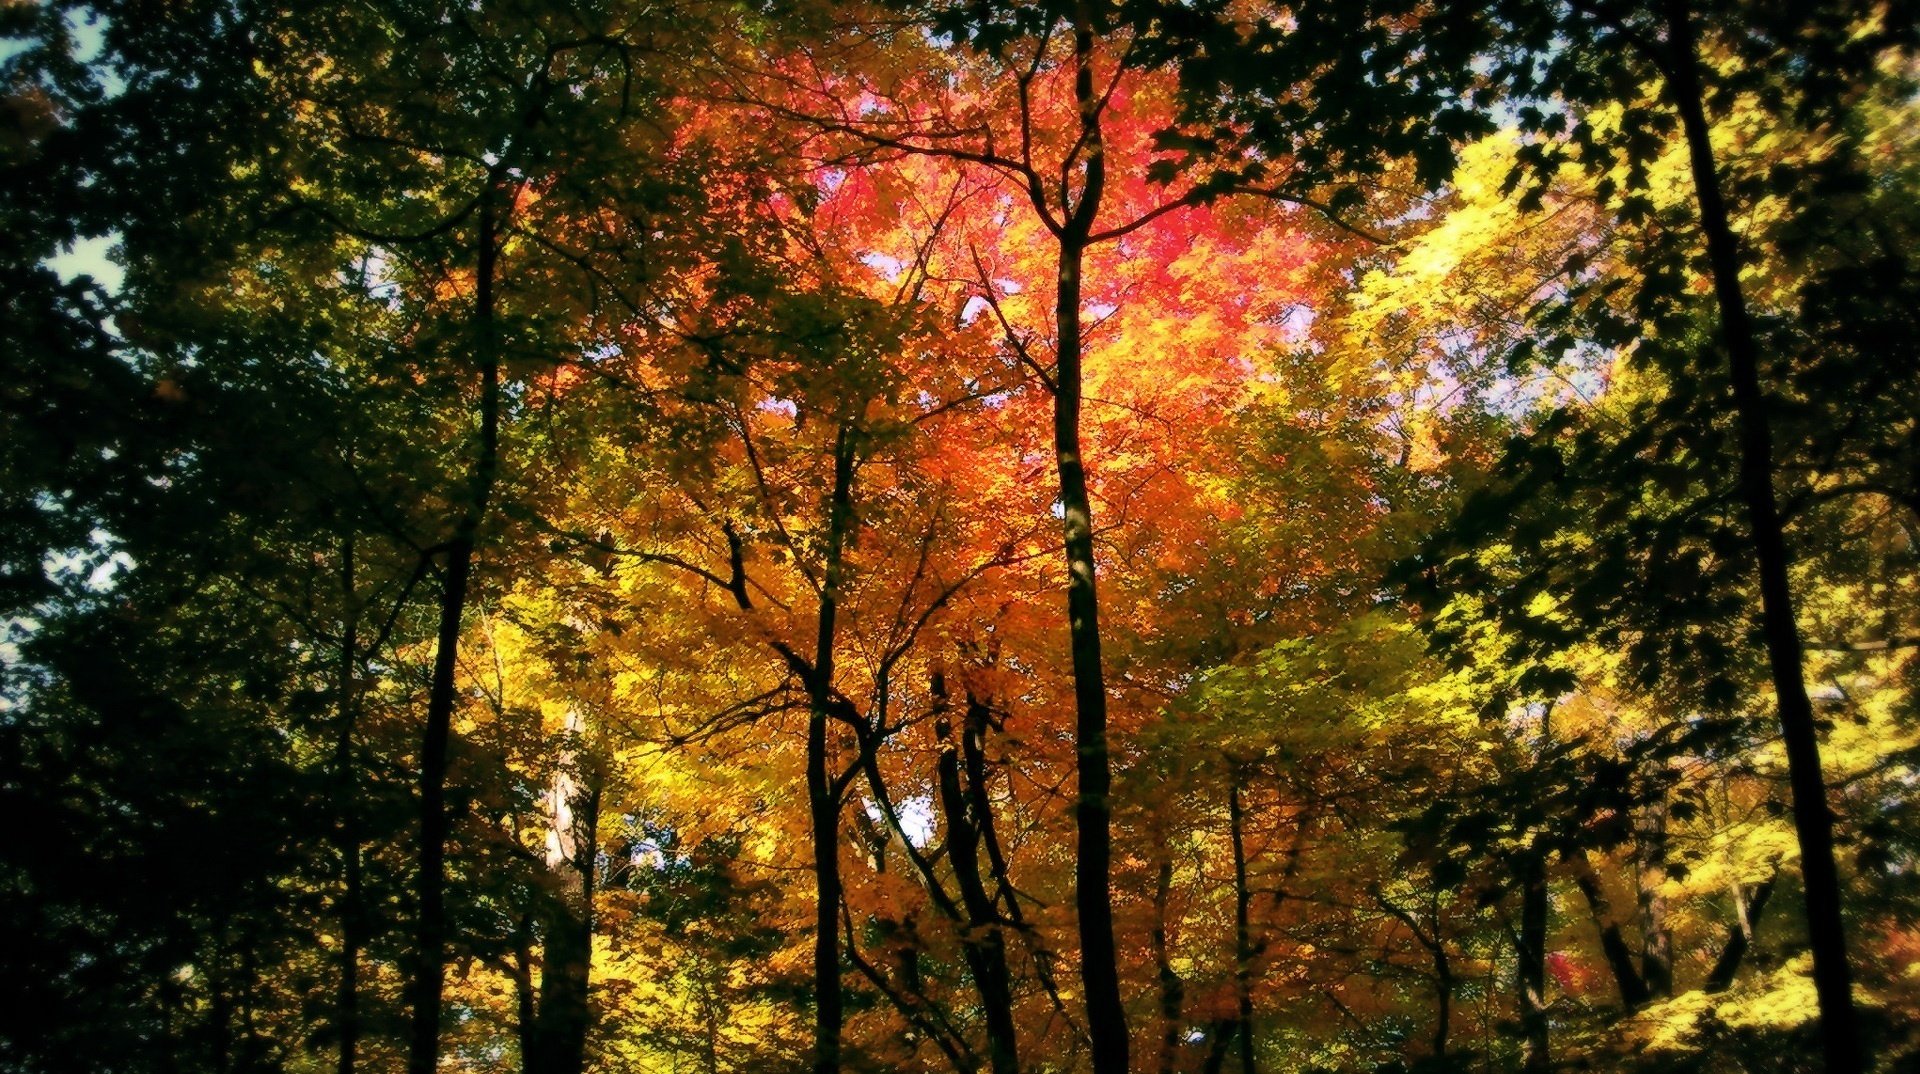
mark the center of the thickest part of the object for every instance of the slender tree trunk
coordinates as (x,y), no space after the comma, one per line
(983,939)
(429,971)
(1739,939)
(1221,1033)
(220,1012)
(1093,809)
(564,1017)
(823,805)
(430,929)
(1656,941)
(1171,992)
(1634,992)
(525,1000)
(1224,1032)
(1530,972)
(973,746)
(1443,979)
(1813,820)
(1242,928)
(1442,990)
(346,773)
(709,1024)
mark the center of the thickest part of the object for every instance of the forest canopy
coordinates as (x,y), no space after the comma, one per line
(1002,536)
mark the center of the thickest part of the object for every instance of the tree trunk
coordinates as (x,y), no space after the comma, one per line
(982,937)
(973,746)
(823,805)
(1093,811)
(1171,992)
(1442,990)
(1739,939)
(525,999)
(1530,973)
(1242,928)
(1634,992)
(1656,941)
(1221,1034)
(560,1027)
(1813,820)
(429,972)
(346,773)
(1443,980)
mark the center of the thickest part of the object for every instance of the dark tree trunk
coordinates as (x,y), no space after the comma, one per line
(1443,979)
(430,936)
(220,1013)
(561,1025)
(1739,939)
(1656,941)
(1442,992)
(1093,809)
(973,745)
(1813,820)
(525,1000)
(1171,992)
(1243,952)
(983,939)
(823,803)
(347,800)
(1634,992)
(1221,1034)
(1530,973)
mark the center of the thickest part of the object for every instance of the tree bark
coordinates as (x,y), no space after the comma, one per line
(1813,820)
(1530,971)
(823,804)
(347,800)
(1656,940)
(1634,992)
(1442,989)
(1093,897)
(1243,952)
(1443,977)
(973,746)
(1739,939)
(1171,991)
(1221,1033)
(982,937)
(564,1017)
(429,972)
(526,1000)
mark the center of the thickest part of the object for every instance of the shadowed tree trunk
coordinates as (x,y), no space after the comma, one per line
(1171,991)
(823,801)
(1530,970)
(1243,952)
(1634,993)
(1812,818)
(560,1026)
(525,999)
(1443,985)
(1443,978)
(430,935)
(352,913)
(1747,911)
(1656,941)
(983,939)
(1093,808)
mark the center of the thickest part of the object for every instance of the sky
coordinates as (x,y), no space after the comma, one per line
(88,257)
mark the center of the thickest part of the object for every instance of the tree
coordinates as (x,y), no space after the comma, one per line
(1619,50)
